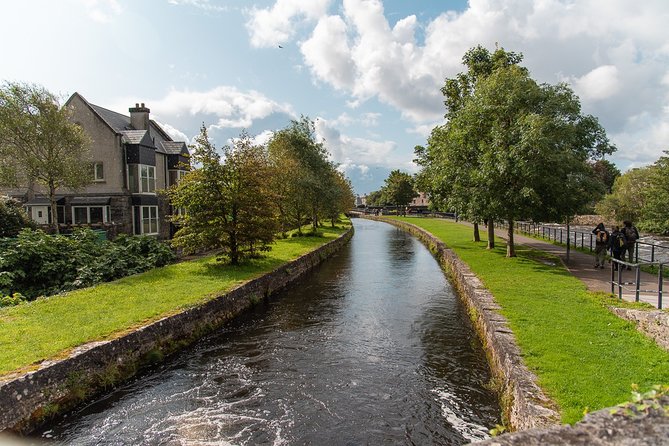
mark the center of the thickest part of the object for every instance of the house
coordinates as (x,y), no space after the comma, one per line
(133,158)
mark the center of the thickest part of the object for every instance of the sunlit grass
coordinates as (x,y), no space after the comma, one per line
(48,327)
(585,357)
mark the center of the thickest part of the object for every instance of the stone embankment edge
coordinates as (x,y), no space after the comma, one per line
(524,403)
(58,385)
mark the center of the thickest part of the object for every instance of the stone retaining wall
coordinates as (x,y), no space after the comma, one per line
(654,324)
(524,403)
(58,385)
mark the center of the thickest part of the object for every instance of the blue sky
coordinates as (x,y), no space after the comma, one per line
(367,72)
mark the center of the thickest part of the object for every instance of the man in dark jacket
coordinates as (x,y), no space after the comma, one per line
(601,244)
(617,244)
(631,235)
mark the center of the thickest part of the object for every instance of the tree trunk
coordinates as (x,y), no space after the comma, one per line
(234,249)
(477,235)
(491,234)
(510,247)
(54,208)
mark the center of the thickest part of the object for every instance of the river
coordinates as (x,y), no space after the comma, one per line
(371,348)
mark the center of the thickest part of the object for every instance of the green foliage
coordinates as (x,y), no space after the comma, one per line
(628,196)
(11,300)
(35,263)
(655,212)
(306,183)
(12,217)
(230,203)
(38,142)
(583,355)
(399,188)
(606,172)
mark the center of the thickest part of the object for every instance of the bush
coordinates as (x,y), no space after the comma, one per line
(12,217)
(35,263)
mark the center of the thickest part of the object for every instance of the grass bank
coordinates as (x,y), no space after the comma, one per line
(51,327)
(585,357)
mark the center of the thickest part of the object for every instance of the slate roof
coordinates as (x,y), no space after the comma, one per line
(174,147)
(116,121)
(137,137)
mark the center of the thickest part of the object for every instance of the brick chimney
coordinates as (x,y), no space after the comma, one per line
(139,117)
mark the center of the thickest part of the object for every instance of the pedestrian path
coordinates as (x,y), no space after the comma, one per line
(581,265)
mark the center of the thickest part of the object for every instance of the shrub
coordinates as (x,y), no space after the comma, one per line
(35,263)
(12,217)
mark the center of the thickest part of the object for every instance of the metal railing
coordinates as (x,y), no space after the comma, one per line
(618,283)
(644,252)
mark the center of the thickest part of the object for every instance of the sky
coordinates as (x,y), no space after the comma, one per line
(367,72)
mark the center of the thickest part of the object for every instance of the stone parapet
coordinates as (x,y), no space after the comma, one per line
(59,384)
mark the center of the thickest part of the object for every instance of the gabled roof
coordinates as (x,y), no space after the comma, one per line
(121,124)
(137,137)
(175,147)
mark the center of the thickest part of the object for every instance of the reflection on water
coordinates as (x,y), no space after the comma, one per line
(372,348)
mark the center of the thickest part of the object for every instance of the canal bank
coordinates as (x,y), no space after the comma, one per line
(524,403)
(60,384)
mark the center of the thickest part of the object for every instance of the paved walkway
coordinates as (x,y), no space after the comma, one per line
(581,265)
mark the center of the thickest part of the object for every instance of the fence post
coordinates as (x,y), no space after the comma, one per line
(637,280)
(652,253)
(636,252)
(613,279)
(660,278)
(620,281)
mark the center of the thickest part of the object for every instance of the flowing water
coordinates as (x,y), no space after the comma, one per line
(372,348)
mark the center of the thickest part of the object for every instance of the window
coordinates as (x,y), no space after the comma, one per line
(98,172)
(141,179)
(149,215)
(148,179)
(176,176)
(82,215)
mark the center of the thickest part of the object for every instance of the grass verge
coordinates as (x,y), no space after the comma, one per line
(51,327)
(585,357)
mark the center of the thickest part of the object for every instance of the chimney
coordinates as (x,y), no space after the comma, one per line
(139,117)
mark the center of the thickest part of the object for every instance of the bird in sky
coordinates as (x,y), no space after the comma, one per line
(280,46)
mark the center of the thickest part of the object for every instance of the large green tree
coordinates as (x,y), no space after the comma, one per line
(39,144)
(230,203)
(398,189)
(12,217)
(513,148)
(627,199)
(310,170)
(655,217)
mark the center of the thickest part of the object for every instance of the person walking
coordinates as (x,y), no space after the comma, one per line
(601,244)
(631,235)
(617,243)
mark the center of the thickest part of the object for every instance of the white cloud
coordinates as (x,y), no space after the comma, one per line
(272,26)
(600,83)
(205,5)
(175,134)
(231,107)
(103,11)
(366,152)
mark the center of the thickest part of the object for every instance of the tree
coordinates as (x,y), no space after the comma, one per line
(39,144)
(513,148)
(398,188)
(340,197)
(229,202)
(310,171)
(375,198)
(12,217)
(655,217)
(606,172)
(627,199)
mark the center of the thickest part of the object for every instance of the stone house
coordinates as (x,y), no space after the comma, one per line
(133,158)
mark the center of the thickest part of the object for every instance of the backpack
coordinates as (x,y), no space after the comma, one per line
(602,237)
(618,241)
(630,234)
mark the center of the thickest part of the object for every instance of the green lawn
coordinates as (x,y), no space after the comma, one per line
(585,357)
(48,328)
